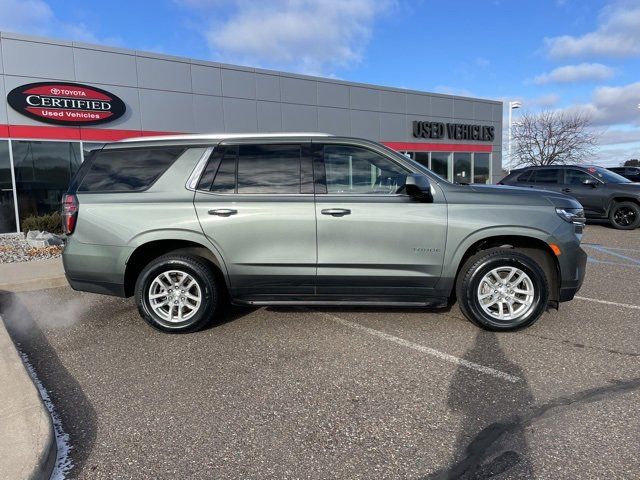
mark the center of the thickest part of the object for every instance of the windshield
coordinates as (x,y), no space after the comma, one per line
(607,176)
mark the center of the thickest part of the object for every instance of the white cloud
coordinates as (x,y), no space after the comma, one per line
(617,35)
(613,105)
(545,101)
(576,73)
(617,136)
(35,17)
(25,16)
(615,155)
(309,36)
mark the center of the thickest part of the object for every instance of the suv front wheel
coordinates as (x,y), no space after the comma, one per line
(177,293)
(502,289)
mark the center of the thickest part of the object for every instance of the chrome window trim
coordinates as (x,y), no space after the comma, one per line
(303,194)
(256,194)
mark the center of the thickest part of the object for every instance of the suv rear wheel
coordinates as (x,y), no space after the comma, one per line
(502,289)
(625,216)
(177,293)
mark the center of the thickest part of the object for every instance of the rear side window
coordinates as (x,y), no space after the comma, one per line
(259,169)
(269,169)
(576,177)
(128,170)
(549,175)
(524,177)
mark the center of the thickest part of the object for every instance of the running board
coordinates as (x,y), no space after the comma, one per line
(435,303)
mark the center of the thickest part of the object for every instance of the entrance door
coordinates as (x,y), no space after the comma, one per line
(7,207)
(258,212)
(374,241)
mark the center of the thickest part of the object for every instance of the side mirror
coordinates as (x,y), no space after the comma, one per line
(591,181)
(418,187)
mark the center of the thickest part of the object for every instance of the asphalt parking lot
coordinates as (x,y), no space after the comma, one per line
(348,393)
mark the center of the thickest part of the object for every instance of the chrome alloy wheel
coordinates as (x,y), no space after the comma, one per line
(506,293)
(175,296)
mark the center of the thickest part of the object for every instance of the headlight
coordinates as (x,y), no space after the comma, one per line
(572,215)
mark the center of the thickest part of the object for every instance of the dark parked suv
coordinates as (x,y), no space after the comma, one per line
(602,193)
(184,222)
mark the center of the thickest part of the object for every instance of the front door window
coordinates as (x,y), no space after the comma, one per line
(359,171)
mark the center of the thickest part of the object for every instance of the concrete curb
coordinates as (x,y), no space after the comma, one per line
(33,275)
(35,284)
(27,438)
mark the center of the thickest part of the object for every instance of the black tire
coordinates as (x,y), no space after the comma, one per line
(206,287)
(624,216)
(472,273)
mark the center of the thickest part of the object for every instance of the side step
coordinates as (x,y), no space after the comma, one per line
(431,303)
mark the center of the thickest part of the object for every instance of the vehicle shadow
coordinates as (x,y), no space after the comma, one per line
(491,442)
(78,417)
(229,313)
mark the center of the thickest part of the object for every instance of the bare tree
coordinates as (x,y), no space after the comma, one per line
(550,137)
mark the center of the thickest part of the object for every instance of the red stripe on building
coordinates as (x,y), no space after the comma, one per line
(72,133)
(438,147)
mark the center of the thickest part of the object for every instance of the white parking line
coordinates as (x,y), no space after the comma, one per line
(606,302)
(422,349)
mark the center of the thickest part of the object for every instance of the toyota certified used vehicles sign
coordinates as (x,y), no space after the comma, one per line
(66,103)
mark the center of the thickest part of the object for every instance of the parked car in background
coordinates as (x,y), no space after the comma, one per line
(184,222)
(630,173)
(603,193)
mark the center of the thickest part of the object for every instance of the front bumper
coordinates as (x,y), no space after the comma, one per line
(572,275)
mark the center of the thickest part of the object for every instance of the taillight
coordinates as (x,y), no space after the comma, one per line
(69,213)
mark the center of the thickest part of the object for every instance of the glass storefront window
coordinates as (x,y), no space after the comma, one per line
(462,167)
(481,172)
(422,157)
(43,171)
(7,208)
(440,163)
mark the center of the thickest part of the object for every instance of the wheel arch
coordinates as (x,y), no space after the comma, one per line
(533,246)
(619,199)
(146,251)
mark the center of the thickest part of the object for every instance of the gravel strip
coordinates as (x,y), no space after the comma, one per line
(14,248)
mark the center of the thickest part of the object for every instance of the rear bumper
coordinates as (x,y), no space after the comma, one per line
(104,288)
(572,275)
(95,268)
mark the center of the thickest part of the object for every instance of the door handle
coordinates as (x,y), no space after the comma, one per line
(336,212)
(223,212)
(566,190)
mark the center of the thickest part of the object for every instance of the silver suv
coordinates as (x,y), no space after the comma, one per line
(184,223)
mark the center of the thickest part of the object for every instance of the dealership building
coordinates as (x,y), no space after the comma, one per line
(59,100)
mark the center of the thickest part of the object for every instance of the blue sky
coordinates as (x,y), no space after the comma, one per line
(554,54)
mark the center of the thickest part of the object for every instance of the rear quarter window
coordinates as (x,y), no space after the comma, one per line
(128,170)
(524,177)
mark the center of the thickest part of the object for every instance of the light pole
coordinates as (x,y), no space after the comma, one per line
(512,106)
